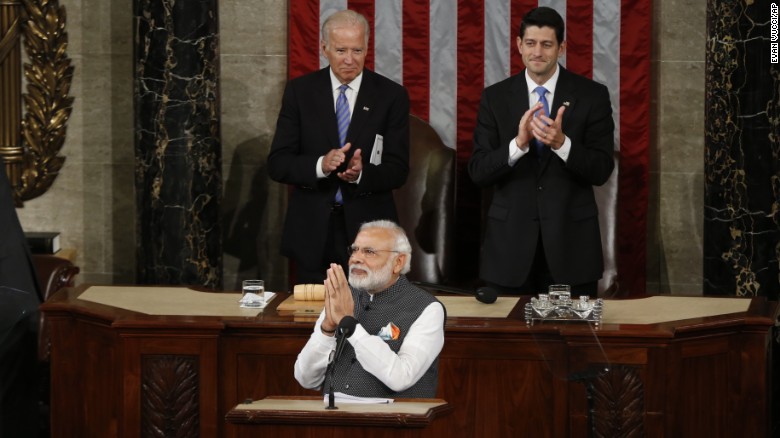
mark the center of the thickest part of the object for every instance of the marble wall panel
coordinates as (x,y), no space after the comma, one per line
(681,233)
(99,27)
(252,89)
(679,154)
(119,226)
(254,72)
(106,85)
(257,27)
(95,200)
(680,29)
(681,117)
(677,148)
(742,161)
(252,219)
(178,143)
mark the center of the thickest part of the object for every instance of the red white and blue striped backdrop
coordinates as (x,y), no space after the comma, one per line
(446,51)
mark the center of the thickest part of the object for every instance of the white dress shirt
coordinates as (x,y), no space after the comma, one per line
(351,94)
(398,371)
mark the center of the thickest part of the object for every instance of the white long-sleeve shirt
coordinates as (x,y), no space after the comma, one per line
(398,371)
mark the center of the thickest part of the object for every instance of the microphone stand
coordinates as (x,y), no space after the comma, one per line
(343,331)
(331,396)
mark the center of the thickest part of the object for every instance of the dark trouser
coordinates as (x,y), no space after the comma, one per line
(335,250)
(539,280)
(19,411)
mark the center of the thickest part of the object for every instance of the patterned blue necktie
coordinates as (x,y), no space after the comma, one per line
(342,117)
(342,114)
(541,149)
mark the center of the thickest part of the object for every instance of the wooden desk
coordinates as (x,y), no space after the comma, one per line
(117,373)
(289,416)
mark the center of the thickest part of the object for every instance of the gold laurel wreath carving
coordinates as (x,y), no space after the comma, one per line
(47,103)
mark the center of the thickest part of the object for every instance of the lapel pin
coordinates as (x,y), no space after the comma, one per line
(365,108)
(566,103)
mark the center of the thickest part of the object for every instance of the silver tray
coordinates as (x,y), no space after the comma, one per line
(560,307)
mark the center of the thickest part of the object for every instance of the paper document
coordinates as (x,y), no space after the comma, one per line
(250,300)
(376,151)
(340,397)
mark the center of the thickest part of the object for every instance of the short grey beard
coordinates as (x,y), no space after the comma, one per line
(374,281)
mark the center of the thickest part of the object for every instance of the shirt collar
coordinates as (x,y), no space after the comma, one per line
(549,85)
(335,83)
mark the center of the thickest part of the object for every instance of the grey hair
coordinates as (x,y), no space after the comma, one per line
(401,245)
(346,17)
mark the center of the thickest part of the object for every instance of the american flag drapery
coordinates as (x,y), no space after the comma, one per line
(446,51)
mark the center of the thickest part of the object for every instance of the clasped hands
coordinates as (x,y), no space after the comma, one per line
(338,298)
(534,124)
(335,157)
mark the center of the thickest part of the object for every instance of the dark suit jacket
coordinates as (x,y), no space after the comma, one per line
(17,270)
(19,300)
(551,200)
(307,129)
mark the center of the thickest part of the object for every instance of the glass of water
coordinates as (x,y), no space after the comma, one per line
(253,294)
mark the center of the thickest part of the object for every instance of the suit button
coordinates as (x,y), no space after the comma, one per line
(346,386)
(540,188)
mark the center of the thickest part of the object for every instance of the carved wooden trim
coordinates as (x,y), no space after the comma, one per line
(169,396)
(618,398)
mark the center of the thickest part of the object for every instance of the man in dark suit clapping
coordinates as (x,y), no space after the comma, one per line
(543,139)
(342,143)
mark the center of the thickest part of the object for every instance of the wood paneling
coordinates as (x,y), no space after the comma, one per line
(698,377)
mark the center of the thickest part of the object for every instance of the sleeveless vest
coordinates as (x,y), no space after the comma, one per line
(401,304)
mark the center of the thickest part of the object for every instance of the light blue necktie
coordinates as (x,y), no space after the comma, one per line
(342,114)
(541,149)
(342,117)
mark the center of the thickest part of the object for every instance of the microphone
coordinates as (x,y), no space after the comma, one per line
(484,294)
(344,330)
(487,295)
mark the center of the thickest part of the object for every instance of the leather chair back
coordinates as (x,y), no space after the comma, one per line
(425,204)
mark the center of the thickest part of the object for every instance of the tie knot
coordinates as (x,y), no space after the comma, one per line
(540,91)
(343,88)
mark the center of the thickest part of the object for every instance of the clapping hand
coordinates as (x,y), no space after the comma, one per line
(353,169)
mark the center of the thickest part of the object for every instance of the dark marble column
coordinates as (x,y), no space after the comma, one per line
(742,152)
(178,179)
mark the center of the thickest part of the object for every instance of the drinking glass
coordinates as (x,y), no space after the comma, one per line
(257,289)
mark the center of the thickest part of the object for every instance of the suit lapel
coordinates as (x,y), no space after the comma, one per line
(518,101)
(564,96)
(327,107)
(363,106)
